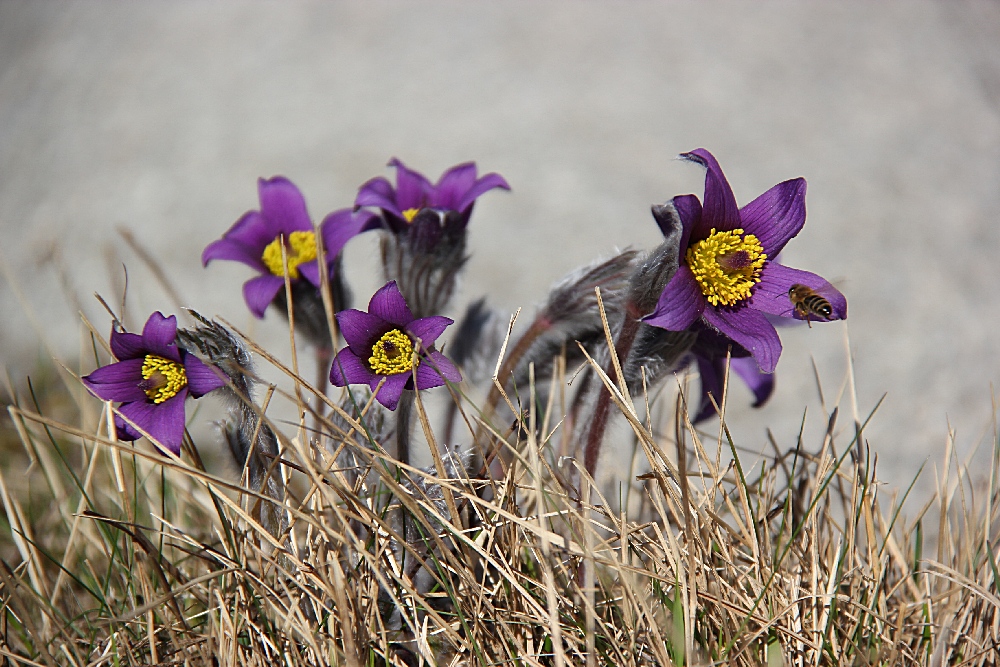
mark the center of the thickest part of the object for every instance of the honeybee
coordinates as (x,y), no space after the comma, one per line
(807,302)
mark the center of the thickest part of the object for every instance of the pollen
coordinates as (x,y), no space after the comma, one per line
(726,265)
(410,213)
(393,354)
(300,247)
(162,378)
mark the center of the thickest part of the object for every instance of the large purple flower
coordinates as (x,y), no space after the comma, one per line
(256,240)
(151,379)
(381,344)
(415,206)
(727,274)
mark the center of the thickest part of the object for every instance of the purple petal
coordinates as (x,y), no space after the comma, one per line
(259,292)
(434,369)
(390,392)
(389,304)
(761,384)
(452,186)
(771,293)
(689,209)
(412,187)
(127,345)
(251,230)
(777,215)
(711,386)
(479,188)
(341,226)
(361,329)
(750,329)
(125,431)
(117,382)
(163,422)
(310,272)
(427,329)
(283,207)
(680,304)
(425,230)
(378,192)
(201,377)
(159,336)
(227,249)
(348,369)
(244,242)
(719,209)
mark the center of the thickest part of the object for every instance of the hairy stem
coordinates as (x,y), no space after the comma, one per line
(404,415)
(537,328)
(599,421)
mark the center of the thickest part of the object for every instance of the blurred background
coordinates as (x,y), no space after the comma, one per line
(158,118)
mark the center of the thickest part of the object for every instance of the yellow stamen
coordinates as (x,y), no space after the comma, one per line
(392,354)
(163,378)
(726,265)
(300,248)
(410,213)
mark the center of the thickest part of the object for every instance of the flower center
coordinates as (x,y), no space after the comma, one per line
(726,265)
(162,378)
(410,213)
(392,354)
(300,248)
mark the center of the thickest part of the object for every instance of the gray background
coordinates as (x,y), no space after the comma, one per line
(159,117)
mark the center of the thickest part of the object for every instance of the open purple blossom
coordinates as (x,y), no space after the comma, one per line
(387,343)
(152,379)
(727,275)
(426,212)
(256,239)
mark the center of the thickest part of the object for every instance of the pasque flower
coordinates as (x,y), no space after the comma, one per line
(727,274)
(256,239)
(424,249)
(388,342)
(423,211)
(152,379)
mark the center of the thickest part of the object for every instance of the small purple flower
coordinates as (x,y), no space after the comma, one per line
(151,379)
(381,345)
(256,240)
(417,208)
(727,274)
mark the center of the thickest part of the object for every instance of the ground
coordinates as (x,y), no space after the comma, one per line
(158,118)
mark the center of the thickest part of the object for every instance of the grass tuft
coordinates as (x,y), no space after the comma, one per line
(113,554)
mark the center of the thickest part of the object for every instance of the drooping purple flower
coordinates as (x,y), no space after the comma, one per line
(386,343)
(426,212)
(727,276)
(152,379)
(255,239)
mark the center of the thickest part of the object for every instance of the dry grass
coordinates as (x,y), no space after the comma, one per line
(117,555)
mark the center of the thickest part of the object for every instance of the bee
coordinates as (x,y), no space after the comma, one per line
(807,302)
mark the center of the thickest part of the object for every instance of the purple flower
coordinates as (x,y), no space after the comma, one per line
(417,208)
(727,275)
(256,240)
(151,380)
(381,345)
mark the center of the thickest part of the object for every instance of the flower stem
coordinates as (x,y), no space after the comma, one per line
(599,422)
(404,414)
(324,358)
(537,328)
